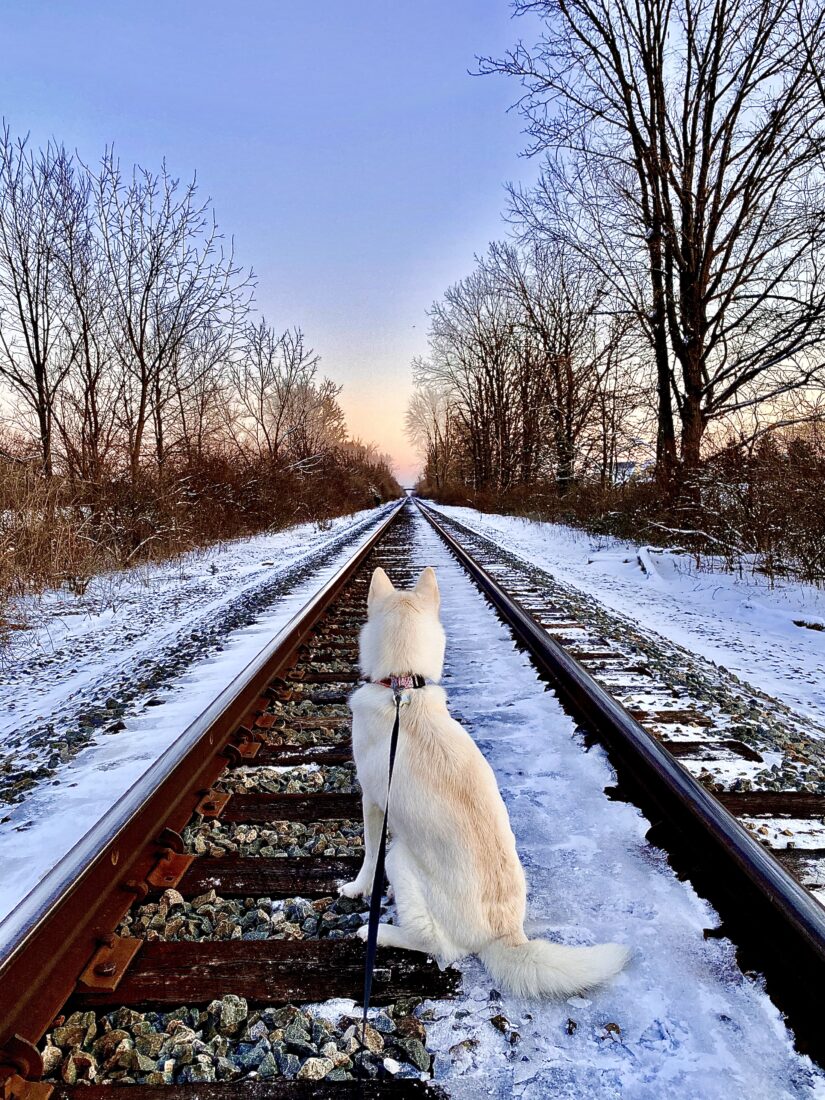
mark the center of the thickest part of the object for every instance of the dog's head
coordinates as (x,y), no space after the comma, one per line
(403,634)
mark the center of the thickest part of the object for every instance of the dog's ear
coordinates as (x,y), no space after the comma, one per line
(427,587)
(380,585)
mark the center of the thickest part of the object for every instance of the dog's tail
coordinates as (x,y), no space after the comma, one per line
(538,968)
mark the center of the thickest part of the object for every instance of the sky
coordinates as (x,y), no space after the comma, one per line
(347,148)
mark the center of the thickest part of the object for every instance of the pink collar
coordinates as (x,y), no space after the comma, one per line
(402,683)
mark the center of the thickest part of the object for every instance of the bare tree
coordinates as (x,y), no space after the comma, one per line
(31,292)
(558,298)
(684,146)
(88,401)
(429,425)
(269,378)
(202,378)
(170,276)
(524,369)
(474,341)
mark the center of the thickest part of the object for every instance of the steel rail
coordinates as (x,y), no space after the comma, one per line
(51,935)
(778,926)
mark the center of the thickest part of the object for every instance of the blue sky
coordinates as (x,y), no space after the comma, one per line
(348,151)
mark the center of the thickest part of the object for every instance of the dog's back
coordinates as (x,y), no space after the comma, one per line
(459,885)
(446,811)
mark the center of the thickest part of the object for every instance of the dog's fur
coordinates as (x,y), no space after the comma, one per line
(459,886)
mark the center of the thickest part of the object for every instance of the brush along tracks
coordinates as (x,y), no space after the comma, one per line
(676,759)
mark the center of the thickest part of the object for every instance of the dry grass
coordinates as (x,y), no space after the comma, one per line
(761,510)
(58,534)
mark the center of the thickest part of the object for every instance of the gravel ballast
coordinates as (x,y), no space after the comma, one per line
(303,779)
(227,1041)
(210,917)
(279,839)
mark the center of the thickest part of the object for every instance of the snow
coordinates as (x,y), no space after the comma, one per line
(152,615)
(743,624)
(682,1021)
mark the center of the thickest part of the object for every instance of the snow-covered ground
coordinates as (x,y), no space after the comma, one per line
(743,624)
(681,1021)
(156,647)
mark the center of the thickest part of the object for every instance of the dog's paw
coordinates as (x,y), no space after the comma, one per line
(353,889)
(363,932)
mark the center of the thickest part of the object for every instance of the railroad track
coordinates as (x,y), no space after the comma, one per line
(215,880)
(738,848)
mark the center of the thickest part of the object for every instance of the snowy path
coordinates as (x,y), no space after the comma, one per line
(743,625)
(681,1022)
(176,638)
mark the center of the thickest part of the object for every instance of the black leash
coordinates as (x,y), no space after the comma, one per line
(378,879)
(398,685)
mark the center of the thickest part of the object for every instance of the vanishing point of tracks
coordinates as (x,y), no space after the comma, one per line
(171,900)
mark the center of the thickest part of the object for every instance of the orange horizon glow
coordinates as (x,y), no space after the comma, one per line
(375,414)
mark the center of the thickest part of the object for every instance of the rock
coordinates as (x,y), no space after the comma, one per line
(415,1052)
(322,1032)
(149,1044)
(288,1064)
(314,1069)
(109,1042)
(383,1023)
(391,1066)
(197,1072)
(373,1040)
(282,1017)
(367,1063)
(269,1067)
(404,1006)
(349,1042)
(226,1070)
(233,1012)
(298,1039)
(143,1063)
(410,1027)
(257,1031)
(501,1023)
(79,1066)
(170,898)
(52,1057)
(250,1056)
(349,905)
(70,1035)
(297,910)
(183,1053)
(409,1072)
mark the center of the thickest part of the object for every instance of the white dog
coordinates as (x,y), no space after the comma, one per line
(459,886)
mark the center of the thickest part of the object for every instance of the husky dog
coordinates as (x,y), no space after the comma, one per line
(458,883)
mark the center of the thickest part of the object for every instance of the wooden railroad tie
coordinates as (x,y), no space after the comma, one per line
(166,975)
